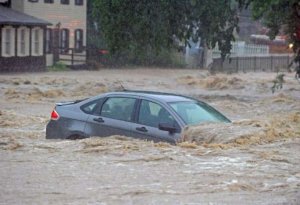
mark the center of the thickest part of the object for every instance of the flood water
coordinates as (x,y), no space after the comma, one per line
(254,160)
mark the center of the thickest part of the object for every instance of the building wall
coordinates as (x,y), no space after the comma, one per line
(17,5)
(247,25)
(69,16)
(22,64)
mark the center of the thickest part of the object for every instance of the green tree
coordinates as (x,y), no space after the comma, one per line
(142,28)
(94,35)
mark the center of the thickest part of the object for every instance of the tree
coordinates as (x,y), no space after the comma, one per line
(142,28)
(94,35)
(134,28)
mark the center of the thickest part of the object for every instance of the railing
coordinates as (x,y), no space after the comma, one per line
(73,58)
(269,63)
(240,48)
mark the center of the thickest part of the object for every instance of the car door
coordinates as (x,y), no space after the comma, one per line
(149,115)
(114,117)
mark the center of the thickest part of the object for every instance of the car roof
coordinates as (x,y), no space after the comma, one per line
(161,96)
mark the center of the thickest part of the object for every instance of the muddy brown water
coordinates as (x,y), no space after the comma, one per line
(255,160)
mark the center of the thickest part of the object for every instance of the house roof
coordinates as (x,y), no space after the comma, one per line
(12,17)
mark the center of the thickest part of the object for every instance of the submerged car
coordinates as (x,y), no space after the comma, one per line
(141,114)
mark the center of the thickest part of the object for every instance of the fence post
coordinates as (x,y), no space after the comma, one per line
(237,64)
(288,62)
(271,62)
(254,68)
(245,58)
(72,58)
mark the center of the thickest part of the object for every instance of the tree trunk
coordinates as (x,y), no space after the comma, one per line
(206,55)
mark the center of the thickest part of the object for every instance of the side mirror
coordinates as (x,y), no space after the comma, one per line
(166,127)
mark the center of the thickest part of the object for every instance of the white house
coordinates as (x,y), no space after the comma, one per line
(67,34)
(22,46)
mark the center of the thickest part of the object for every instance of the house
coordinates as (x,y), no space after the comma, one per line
(22,46)
(65,38)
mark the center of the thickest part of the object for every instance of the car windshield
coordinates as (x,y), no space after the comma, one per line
(197,112)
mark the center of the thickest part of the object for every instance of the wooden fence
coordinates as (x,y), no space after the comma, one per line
(73,59)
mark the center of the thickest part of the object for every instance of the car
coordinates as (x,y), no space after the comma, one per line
(147,115)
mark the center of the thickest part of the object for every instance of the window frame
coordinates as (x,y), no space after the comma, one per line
(97,108)
(133,112)
(48,1)
(65,2)
(79,2)
(37,41)
(80,41)
(22,41)
(23,35)
(64,43)
(48,41)
(176,125)
(8,43)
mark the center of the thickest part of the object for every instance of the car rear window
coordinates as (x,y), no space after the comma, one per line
(91,107)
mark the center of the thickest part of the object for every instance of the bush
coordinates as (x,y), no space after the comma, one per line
(58,66)
(164,58)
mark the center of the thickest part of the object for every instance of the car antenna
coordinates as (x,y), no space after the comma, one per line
(121,88)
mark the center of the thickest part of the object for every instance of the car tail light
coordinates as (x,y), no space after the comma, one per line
(54,115)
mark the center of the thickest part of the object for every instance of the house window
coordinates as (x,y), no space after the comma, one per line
(36,41)
(33,0)
(78,40)
(64,40)
(22,42)
(49,1)
(7,41)
(48,40)
(64,1)
(79,2)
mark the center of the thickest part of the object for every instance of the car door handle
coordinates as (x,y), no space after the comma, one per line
(99,119)
(141,129)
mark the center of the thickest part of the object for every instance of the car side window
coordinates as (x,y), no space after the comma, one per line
(151,114)
(119,108)
(91,107)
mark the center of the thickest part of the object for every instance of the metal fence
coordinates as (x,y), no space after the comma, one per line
(240,48)
(268,63)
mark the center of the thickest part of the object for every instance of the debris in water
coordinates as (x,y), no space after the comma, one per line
(190,145)
(8,142)
(219,82)
(244,132)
